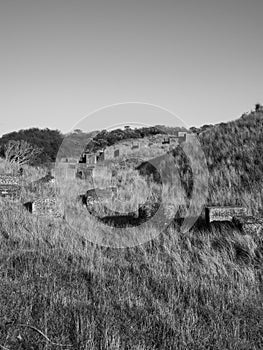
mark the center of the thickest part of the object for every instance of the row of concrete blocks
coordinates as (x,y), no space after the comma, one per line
(234,214)
(246,224)
(237,215)
(53,208)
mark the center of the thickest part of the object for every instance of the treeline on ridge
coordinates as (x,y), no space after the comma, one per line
(108,138)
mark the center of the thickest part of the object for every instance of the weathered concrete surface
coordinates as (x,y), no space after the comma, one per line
(8,179)
(49,207)
(65,170)
(93,200)
(84,171)
(96,194)
(217,213)
(248,224)
(9,185)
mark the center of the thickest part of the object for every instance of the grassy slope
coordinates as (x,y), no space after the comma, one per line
(200,290)
(234,156)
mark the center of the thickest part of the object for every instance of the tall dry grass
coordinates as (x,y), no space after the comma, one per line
(198,290)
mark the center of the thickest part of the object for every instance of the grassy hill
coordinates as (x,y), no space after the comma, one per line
(234,157)
(199,290)
(233,153)
(106,138)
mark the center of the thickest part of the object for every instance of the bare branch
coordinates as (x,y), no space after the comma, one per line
(21,152)
(40,333)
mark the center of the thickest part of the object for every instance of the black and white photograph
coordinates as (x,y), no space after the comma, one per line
(131,175)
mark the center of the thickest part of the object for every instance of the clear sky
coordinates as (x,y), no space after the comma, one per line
(62,59)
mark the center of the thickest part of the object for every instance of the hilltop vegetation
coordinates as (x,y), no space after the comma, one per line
(233,153)
(108,138)
(74,143)
(47,140)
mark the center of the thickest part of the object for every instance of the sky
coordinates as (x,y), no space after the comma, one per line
(61,60)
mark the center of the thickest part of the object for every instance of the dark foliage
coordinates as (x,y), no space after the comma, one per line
(108,138)
(46,139)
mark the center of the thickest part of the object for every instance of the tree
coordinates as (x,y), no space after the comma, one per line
(258,107)
(46,139)
(21,152)
(194,130)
